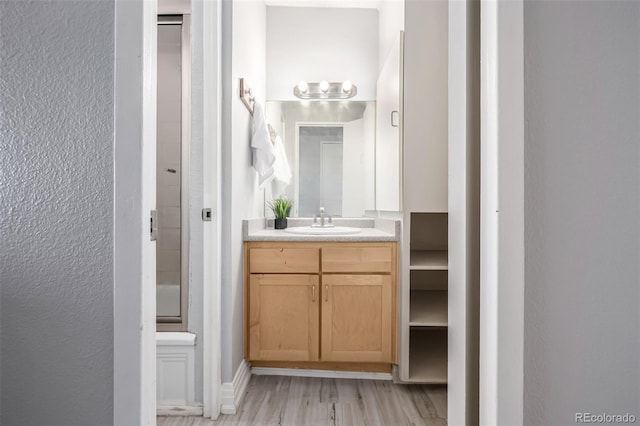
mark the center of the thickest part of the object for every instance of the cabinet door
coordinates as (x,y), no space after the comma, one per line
(284,317)
(356,318)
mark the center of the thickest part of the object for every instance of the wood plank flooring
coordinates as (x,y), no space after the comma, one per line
(304,401)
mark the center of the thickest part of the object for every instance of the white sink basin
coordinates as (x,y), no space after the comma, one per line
(317,230)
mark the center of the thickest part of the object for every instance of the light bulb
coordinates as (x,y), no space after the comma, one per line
(324,86)
(303,87)
(346,86)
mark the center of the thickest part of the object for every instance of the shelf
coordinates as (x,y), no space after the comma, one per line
(429,231)
(429,260)
(428,300)
(428,309)
(429,280)
(428,356)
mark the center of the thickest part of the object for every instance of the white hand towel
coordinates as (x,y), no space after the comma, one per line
(281,168)
(263,149)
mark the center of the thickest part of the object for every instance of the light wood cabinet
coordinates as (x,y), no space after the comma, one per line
(356,318)
(332,303)
(283,320)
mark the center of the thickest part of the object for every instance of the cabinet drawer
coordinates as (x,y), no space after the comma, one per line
(284,260)
(357,259)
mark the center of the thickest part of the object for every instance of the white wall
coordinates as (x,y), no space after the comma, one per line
(387,131)
(388,85)
(582,279)
(314,44)
(425,106)
(390,23)
(56,226)
(368,160)
(243,55)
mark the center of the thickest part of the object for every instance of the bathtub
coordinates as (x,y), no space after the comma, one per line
(168,300)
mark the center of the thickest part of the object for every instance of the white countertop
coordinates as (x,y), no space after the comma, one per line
(371,230)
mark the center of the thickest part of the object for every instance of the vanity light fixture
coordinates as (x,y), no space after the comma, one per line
(303,87)
(325,90)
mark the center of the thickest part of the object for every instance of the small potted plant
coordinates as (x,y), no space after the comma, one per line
(281,208)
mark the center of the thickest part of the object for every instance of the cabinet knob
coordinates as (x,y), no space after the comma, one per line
(313,293)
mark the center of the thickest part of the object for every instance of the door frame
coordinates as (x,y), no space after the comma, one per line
(502,213)
(209,16)
(501,349)
(134,323)
(134,275)
(502,209)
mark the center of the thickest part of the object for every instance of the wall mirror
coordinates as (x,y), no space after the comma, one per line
(345,155)
(330,146)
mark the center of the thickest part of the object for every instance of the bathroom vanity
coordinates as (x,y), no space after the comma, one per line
(322,302)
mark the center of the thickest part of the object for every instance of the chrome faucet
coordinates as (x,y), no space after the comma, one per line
(322,224)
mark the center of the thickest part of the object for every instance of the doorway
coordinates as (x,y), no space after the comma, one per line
(331,177)
(319,179)
(135,163)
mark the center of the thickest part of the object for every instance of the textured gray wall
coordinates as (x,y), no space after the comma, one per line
(56,180)
(582,282)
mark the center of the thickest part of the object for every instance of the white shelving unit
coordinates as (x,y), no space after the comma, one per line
(428,308)
(428,356)
(428,297)
(429,260)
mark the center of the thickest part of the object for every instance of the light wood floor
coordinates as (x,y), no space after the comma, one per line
(302,401)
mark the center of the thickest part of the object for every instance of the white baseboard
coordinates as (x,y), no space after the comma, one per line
(329,374)
(232,393)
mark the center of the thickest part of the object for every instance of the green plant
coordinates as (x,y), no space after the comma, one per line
(281,207)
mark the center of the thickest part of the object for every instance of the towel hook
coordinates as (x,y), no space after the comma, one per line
(246,95)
